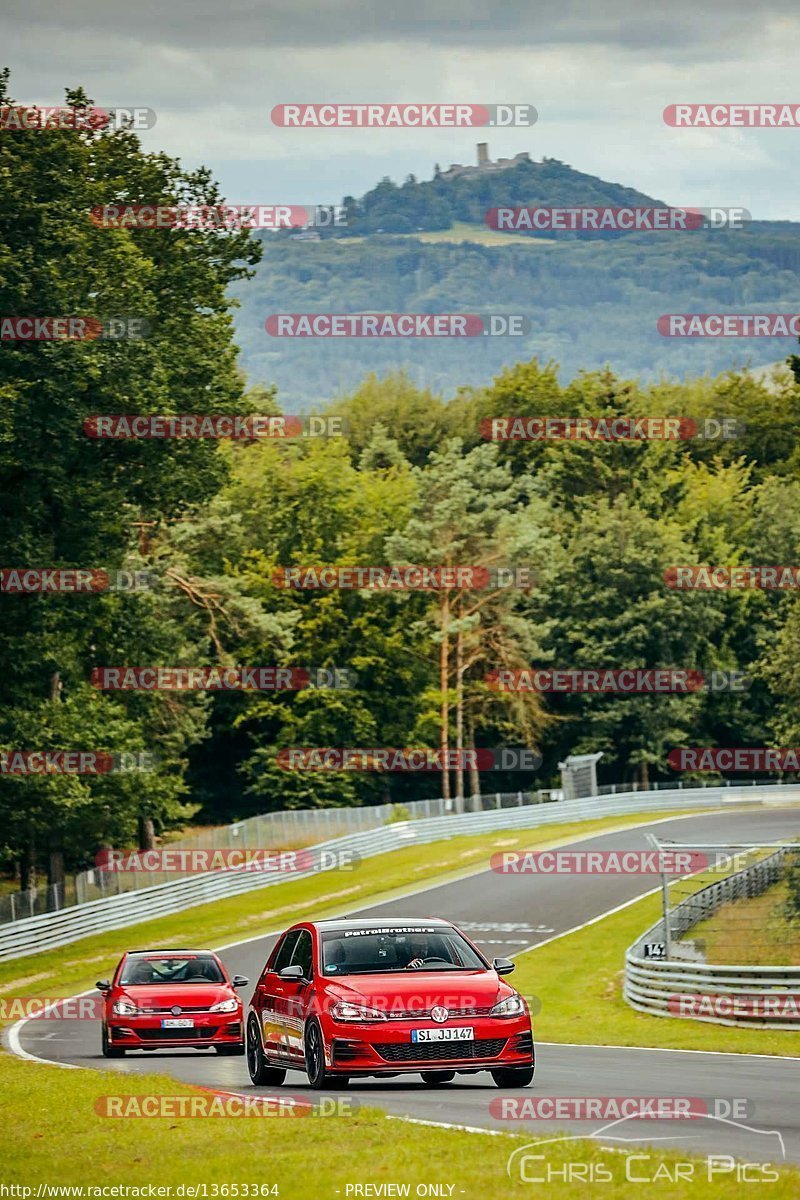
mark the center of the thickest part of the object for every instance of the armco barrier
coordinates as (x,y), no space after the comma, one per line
(277,830)
(751,996)
(33,934)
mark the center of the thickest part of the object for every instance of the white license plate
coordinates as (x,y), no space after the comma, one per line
(177,1023)
(462,1033)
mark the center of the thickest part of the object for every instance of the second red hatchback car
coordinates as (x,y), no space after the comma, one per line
(346,998)
(160,999)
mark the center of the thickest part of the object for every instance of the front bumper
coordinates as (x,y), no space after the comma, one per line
(210,1029)
(386,1048)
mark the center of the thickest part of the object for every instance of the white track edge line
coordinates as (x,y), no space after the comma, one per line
(11,1036)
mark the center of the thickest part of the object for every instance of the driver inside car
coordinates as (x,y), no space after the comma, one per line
(418,950)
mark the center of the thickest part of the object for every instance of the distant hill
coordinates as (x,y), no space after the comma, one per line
(591,300)
(437,203)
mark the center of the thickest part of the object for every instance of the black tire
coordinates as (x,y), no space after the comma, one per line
(314,1053)
(110,1051)
(438,1078)
(260,1071)
(230,1051)
(513,1077)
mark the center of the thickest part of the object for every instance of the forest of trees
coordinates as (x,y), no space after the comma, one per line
(413,481)
(436,203)
(589,303)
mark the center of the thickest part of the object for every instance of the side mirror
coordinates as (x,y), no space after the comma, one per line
(103,985)
(503,966)
(239,981)
(294,972)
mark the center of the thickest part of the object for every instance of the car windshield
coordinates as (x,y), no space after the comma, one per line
(373,951)
(171,968)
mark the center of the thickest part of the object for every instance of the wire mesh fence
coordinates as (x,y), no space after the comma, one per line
(288,829)
(739,903)
(294,828)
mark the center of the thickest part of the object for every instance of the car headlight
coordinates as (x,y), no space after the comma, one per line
(512,1006)
(342,1010)
(124,1008)
(225,1006)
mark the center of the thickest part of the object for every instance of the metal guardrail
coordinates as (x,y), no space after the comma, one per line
(44,932)
(276,831)
(289,829)
(722,994)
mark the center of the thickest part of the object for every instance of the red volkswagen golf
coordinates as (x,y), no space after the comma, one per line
(163,998)
(359,997)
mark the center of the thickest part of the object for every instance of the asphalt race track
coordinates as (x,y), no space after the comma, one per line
(505,914)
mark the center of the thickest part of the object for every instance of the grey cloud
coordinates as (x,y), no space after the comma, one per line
(682,27)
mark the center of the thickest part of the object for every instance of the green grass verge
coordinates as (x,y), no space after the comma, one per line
(755,930)
(462,231)
(70,968)
(578,980)
(51,1134)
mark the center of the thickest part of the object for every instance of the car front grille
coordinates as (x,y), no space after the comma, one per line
(155,1012)
(424,1014)
(178,1035)
(440,1051)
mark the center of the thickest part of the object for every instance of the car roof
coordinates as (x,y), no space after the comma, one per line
(169,950)
(382,923)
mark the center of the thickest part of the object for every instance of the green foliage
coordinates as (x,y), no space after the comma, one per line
(589,302)
(69,500)
(793,882)
(595,524)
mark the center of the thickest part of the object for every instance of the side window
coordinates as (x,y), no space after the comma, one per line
(284,953)
(302,953)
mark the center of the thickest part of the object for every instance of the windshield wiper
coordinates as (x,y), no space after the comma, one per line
(403,970)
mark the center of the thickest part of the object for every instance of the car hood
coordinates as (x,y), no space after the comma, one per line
(421,989)
(187,995)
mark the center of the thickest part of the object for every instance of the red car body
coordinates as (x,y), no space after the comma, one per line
(164,999)
(434,1015)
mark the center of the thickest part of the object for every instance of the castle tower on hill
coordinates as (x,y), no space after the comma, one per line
(484,164)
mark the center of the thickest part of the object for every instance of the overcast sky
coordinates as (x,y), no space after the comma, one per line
(599,74)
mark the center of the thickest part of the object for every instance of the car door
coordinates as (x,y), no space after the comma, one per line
(295,995)
(269,999)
